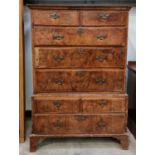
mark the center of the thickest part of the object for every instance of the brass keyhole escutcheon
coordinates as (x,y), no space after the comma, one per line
(101,58)
(100,81)
(55,15)
(103,103)
(58,58)
(104,16)
(57,103)
(102,37)
(101,124)
(59,81)
(58,37)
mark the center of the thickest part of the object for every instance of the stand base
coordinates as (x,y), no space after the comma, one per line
(35,139)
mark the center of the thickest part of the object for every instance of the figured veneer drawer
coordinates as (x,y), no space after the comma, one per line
(80,36)
(71,57)
(55,105)
(107,124)
(55,17)
(104,18)
(49,124)
(89,103)
(84,80)
(103,104)
(78,124)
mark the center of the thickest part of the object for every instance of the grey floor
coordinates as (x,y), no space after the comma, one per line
(74,146)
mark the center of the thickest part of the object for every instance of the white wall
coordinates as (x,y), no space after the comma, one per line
(28,57)
(132,35)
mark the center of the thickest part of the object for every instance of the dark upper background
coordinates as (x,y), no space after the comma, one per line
(123,2)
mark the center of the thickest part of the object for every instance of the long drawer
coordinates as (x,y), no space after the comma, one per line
(79,124)
(84,80)
(80,57)
(76,17)
(75,103)
(102,36)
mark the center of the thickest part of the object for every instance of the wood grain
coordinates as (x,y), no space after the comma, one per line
(55,17)
(79,72)
(89,36)
(78,124)
(79,57)
(104,18)
(75,103)
(21,76)
(80,80)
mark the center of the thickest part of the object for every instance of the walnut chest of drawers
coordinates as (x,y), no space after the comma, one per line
(79,72)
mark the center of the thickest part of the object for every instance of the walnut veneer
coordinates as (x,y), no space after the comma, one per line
(79,72)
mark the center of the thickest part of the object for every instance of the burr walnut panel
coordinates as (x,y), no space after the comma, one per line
(75,17)
(79,80)
(55,17)
(102,36)
(72,57)
(78,103)
(103,105)
(56,106)
(104,18)
(79,124)
(110,124)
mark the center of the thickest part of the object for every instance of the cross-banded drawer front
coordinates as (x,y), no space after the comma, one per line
(74,17)
(49,124)
(109,124)
(72,57)
(55,105)
(104,18)
(78,124)
(103,36)
(79,80)
(92,105)
(55,17)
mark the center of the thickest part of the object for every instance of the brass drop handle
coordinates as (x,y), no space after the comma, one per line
(57,124)
(101,58)
(59,81)
(101,37)
(101,124)
(55,15)
(104,16)
(57,103)
(80,118)
(59,58)
(58,37)
(103,103)
(100,81)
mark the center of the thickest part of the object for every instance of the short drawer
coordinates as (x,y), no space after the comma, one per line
(84,80)
(79,124)
(71,57)
(103,105)
(55,105)
(101,36)
(55,17)
(104,18)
